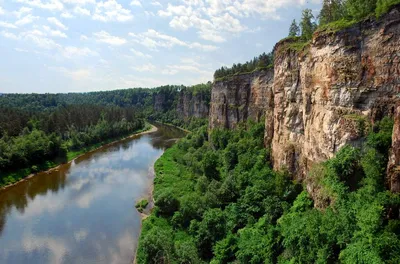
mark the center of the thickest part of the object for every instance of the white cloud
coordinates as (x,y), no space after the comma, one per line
(52,5)
(54,33)
(26,20)
(57,23)
(140,54)
(105,37)
(39,39)
(9,35)
(79,2)
(111,10)
(156,3)
(215,20)
(22,11)
(67,15)
(1,11)
(136,3)
(83,37)
(81,11)
(7,25)
(145,68)
(152,39)
(71,52)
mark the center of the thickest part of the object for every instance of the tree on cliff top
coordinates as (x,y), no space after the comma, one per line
(294,29)
(307,24)
(358,9)
(332,10)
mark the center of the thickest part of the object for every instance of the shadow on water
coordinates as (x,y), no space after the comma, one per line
(82,212)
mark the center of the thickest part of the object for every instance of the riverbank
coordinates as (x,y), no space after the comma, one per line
(75,155)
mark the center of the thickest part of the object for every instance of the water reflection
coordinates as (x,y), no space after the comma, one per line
(83,212)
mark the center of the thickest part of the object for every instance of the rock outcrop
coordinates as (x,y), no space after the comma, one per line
(186,103)
(319,97)
(393,171)
(192,104)
(241,97)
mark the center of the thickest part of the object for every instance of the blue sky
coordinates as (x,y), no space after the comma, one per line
(51,46)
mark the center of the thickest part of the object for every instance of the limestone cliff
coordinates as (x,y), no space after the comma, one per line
(185,103)
(394,162)
(241,97)
(320,97)
(191,104)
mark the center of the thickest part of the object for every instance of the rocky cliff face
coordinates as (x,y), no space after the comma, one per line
(394,162)
(193,105)
(241,97)
(320,98)
(186,103)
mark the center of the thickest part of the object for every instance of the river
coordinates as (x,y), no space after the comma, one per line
(85,211)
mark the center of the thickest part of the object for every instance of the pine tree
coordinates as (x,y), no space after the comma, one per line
(294,29)
(332,10)
(358,9)
(307,25)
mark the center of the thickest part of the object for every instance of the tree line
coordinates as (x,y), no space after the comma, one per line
(33,141)
(336,13)
(263,61)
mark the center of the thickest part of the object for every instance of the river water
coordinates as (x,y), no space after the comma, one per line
(84,212)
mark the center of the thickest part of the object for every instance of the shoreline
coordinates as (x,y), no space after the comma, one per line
(151,130)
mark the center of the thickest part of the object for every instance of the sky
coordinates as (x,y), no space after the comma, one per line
(57,46)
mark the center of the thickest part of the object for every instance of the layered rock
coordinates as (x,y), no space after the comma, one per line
(393,171)
(186,103)
(321,97)
(241,97)
(192,104)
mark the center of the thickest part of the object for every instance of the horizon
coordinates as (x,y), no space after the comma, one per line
(63,46)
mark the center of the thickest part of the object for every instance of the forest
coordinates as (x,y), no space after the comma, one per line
(217,200)
(39,131)
(334,15)
(31,142)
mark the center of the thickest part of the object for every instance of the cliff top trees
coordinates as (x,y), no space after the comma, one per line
(307,24)
(294,29)
(263,61)
(332,10)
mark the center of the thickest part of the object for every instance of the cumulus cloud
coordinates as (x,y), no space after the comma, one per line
(81,11)
(145,68)
(67,15)
(52,5)
(79,2)
(156,3)
(57,23)
(153,39)
(71,52)
(111,10)
(136,3)
(9,35)
(140,54)
(215,20)
(26,20)
(7,25)
(105,37)
(22,11)
(55,33)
